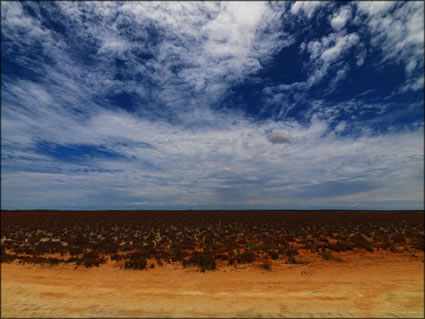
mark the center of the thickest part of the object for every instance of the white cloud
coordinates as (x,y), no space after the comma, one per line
(340,126)
(376,7)
(175,148)
(186,166)
(340,75)
(325,54)
(361,57)
(342,43)
(212,40)
(340,18)
(136,204)
(116,45)
(326,61)
(185,158)
(194,48)
(398,31)
(308,8)
(314,47)
(413,84)
(14,17)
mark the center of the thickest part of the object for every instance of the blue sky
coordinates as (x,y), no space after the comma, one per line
(228,105)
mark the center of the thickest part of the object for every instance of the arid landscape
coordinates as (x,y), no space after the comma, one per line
(212,264)
(212,159)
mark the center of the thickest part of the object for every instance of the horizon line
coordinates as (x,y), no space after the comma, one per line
(209,210)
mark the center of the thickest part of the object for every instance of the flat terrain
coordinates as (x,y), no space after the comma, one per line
(212,264)
(372,285)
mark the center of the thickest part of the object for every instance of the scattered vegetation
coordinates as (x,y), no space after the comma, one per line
(202,239)
(31,260)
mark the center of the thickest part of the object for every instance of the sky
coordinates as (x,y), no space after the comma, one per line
(212,105)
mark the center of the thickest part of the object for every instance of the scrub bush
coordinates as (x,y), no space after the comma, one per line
(204,262)
(135,260)
(247,257)
(267,266)
(291,253)
(90,259)
(274,255)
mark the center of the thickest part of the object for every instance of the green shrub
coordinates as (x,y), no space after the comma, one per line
(266,265)
(341,246)
(38,260)
(7,258)
(116,257)
(291,260)
(135,262)
(89,260)
(53,261)
(75,251)
(291,253)
(398,238)
(419,244)
(395,250)
(327,255)
(359,241)
(159,262)
(247,257)
(311,244)
(274,255)
(221,257)
(71,260)
(203,261)
(384,245)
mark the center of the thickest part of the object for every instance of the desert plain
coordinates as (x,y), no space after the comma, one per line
(242,264)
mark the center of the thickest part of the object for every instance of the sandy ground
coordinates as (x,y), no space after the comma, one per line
(374,285)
